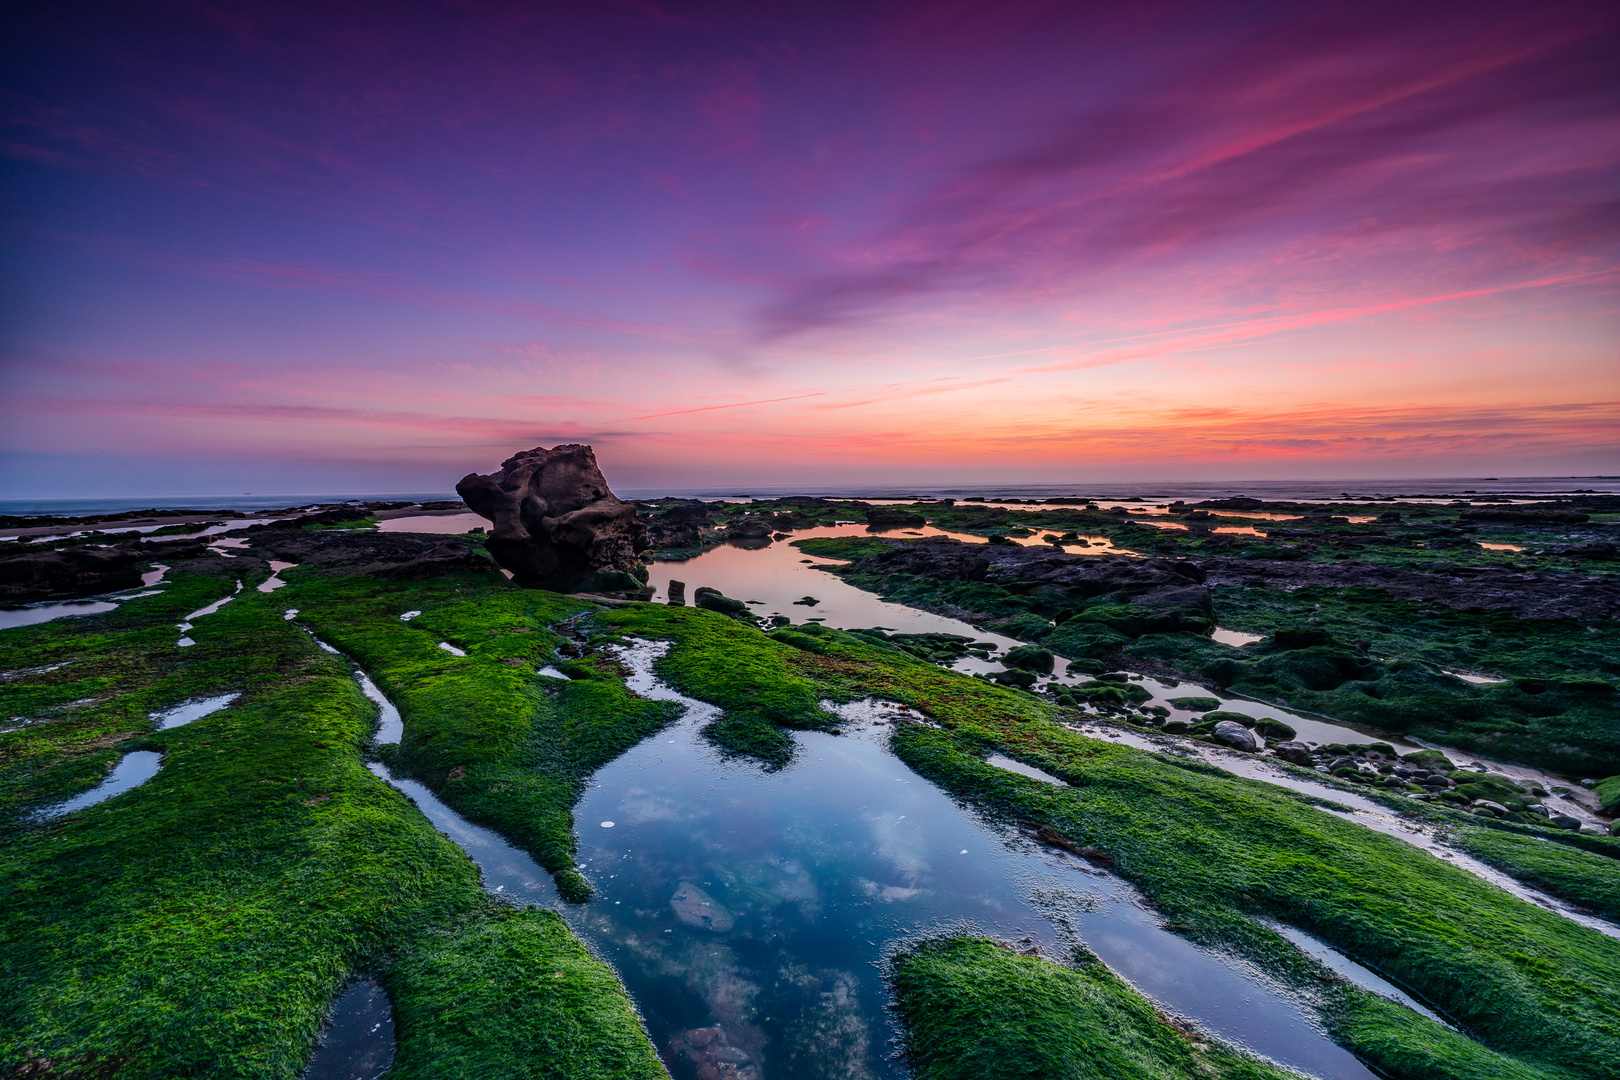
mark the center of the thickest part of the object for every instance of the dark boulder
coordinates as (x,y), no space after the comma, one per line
(1029,658)
(715,600)
(1238,737)
(1296,753)
(751,528)
(893,517)
(1301,638)
(556,524)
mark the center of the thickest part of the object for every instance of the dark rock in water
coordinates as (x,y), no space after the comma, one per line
(1294,752)
(711,1052)
(751,528)
(1243,719)
(894,517)
(715,600)
(1030,658)
(684,525)
(77,571)
(1196,704)
(556,524)
(1273,728)
(677,592)
(1237,737)
(694,907)
(1024,679)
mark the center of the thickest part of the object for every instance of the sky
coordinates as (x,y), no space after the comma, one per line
(342,246)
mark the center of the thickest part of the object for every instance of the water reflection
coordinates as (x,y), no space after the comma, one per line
(357,1036)
(133,769)
(187,711)
(453,524)
(508,872)
(747,911)
(38,613)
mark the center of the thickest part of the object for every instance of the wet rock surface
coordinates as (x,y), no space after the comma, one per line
(43,573)
(47,575)
(1171,589)
(556,523)
(388,555)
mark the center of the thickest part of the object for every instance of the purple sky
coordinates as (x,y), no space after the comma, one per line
(284,247)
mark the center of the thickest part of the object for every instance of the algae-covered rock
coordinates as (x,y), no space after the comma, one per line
(1273,728)
(1023,679)
(1030,658)
(1433,760)
(1608,792)
(1196,704)
(715,600)
(1222,715)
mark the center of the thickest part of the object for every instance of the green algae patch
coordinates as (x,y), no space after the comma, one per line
(199,924)
(841,547)
(503,747)
(515,994)
(974,1010)
(1586,879)
(1557,705)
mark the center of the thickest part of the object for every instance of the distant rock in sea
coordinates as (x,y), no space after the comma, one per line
(556,524)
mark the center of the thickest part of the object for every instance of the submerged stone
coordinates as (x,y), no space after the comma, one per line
(694,907)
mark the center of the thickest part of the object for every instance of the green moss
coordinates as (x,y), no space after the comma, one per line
(973,1010)
(841,547)
(1557,709)
(1588,880)
(502,747)
(460,1012)
(1608,792)
(199,924)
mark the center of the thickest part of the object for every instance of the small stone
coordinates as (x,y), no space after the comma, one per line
(1238,737)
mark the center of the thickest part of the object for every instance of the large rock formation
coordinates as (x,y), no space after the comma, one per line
(557,526)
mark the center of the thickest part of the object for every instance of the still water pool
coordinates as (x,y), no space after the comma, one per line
(749,913)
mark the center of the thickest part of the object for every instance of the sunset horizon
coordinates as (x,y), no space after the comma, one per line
(760,248)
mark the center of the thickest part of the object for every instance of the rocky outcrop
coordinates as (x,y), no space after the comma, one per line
(46,575)
(1163,594)
(396,556)
(556,524)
